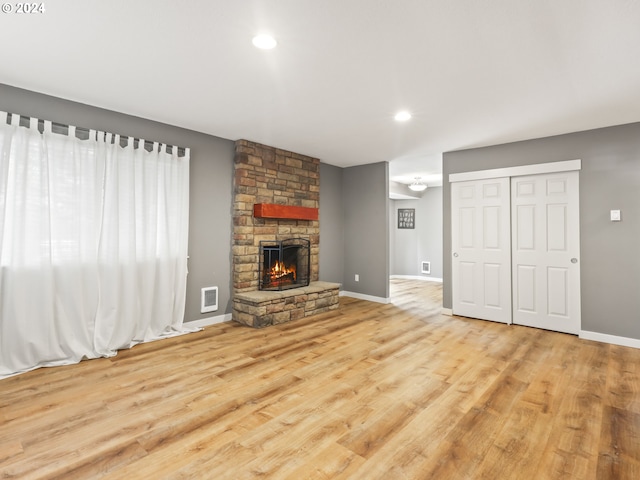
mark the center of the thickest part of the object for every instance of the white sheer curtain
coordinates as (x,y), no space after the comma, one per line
(93,245)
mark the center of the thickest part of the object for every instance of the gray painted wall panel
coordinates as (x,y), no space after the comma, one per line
(609,179)
(424,243)
(211,173)
(331,224)
(366,226)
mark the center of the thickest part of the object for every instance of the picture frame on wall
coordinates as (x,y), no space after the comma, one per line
(406,218)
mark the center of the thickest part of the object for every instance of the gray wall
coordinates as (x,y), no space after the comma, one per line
(331,224)
(424,243)
(354,202)
(365,197)
(609,179)
(210,187)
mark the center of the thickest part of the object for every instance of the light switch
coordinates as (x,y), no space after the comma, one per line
(615,215)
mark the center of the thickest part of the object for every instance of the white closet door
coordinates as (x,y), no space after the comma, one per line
(546,251)
(481,277)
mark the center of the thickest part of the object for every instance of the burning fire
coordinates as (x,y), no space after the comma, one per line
(280,273)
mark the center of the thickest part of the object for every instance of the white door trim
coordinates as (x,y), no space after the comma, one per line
(534,169)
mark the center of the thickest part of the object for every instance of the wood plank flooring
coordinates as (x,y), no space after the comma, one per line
(371,391)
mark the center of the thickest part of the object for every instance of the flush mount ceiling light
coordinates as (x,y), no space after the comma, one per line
(402,116)
(264,42)
(418,186)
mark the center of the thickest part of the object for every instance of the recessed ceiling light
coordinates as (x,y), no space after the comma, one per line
(265,42)
(402,116)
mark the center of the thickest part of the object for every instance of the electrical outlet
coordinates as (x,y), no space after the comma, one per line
(357,277)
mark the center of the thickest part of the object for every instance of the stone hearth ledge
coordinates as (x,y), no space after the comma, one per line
(260,308)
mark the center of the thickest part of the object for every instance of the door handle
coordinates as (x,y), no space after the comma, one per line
(455,254)
(574,260)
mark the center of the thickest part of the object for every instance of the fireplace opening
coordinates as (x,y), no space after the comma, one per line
(284,264)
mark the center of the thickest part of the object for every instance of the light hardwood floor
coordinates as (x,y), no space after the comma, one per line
(371,391)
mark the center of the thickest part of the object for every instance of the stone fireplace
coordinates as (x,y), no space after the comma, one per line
(276,202)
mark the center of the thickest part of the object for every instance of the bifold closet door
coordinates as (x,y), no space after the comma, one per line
(481,276)
(546,251)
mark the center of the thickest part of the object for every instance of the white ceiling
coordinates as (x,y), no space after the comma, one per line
(473,73)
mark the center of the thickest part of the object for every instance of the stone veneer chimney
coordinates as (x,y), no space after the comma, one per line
(265,174)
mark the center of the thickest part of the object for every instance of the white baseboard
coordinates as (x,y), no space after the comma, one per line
(447,311)
(416,277)
(613,339)
(206,322)
(361,296)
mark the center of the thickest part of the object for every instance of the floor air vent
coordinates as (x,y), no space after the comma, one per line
(209,299)
(426,267)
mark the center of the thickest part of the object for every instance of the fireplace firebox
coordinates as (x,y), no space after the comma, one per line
(284,264)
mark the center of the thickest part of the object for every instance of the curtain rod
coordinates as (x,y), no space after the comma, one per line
(62,128)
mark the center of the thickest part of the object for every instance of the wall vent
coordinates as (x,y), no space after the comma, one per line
(426,267)
(209,299)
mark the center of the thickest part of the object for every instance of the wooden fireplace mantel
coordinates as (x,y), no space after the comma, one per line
(271,210)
